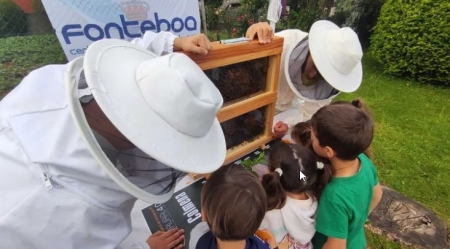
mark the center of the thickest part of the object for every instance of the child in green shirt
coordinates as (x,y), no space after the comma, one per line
(341,133)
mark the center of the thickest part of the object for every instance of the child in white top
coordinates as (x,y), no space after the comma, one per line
(293,187)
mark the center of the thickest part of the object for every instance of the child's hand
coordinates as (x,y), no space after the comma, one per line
(280,129)
(199,44)
(166,240)
(262,30)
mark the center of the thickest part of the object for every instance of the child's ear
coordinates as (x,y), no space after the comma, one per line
(203,215)
(330,152)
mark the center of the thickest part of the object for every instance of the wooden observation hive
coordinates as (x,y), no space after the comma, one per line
(246,75)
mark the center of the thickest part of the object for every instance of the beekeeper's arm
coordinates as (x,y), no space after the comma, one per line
(165,42)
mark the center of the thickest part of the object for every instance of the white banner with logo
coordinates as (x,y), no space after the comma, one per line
(78,23)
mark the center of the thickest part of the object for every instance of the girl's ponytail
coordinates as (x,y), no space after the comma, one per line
(324,174)
(276,196)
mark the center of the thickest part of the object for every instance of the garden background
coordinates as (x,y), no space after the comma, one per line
(406,76)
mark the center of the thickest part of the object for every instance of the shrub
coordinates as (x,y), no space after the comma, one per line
(42,24)
(411,39)
(212,17)
(12,19)
(361,15)
(303,13)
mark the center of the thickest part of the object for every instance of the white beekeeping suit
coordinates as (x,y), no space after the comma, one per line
(62,184)
(337,55)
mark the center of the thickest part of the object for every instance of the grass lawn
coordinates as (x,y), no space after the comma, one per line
(412,124)
(411,141)
(19,55)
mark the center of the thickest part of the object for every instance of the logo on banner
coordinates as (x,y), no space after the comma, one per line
(135,10)
(134,22)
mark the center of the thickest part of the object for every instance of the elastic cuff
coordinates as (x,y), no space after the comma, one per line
(170,42)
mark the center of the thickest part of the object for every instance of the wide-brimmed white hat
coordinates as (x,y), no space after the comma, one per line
(337,54)
(165,105)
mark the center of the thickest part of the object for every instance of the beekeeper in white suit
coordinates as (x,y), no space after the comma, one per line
(315,67)
(79,143)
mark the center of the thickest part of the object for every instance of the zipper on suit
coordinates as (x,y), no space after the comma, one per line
(50,181)
(46,179)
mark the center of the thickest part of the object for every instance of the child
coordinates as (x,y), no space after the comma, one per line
(341,133)
(233,206)
(301,132)
(293,187)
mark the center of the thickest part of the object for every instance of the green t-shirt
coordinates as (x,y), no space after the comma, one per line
(344,207)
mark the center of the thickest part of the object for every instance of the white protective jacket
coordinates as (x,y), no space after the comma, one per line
(53,192)
(309,99)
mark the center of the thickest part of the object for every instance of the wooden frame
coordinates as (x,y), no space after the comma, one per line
(224,55)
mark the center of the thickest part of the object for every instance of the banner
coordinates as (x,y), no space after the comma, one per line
(78,23)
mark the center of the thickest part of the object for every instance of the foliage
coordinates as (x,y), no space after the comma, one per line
(243,23)
(303,13)
(255,5)
(212,17)
(12,19)
(45,26)
(20,55)
(411,39)
(38,7)
(249,163)
(361,15)
(213,3)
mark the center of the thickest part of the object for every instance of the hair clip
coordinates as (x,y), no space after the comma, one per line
(279,171)
(320,165)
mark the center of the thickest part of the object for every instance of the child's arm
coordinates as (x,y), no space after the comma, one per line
(332,222)
(376,198)
(334,243)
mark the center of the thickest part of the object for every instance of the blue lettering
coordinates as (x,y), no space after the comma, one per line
(94,32)
(125,25)
(147,25)
(78,51)
(66,34)
(193,21)
(159,22)
(174,27)
(100,35)
(113,25)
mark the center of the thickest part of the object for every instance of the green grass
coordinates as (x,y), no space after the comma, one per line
(376,241)
(411,141)
(20,55)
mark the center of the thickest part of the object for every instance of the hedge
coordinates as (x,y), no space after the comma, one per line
(12,19)
(412,39)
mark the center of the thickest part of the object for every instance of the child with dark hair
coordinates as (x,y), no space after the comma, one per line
(233,206)
(341,133)
(294,184)
(301,132)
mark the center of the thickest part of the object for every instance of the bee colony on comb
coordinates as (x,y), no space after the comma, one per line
(246,75)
